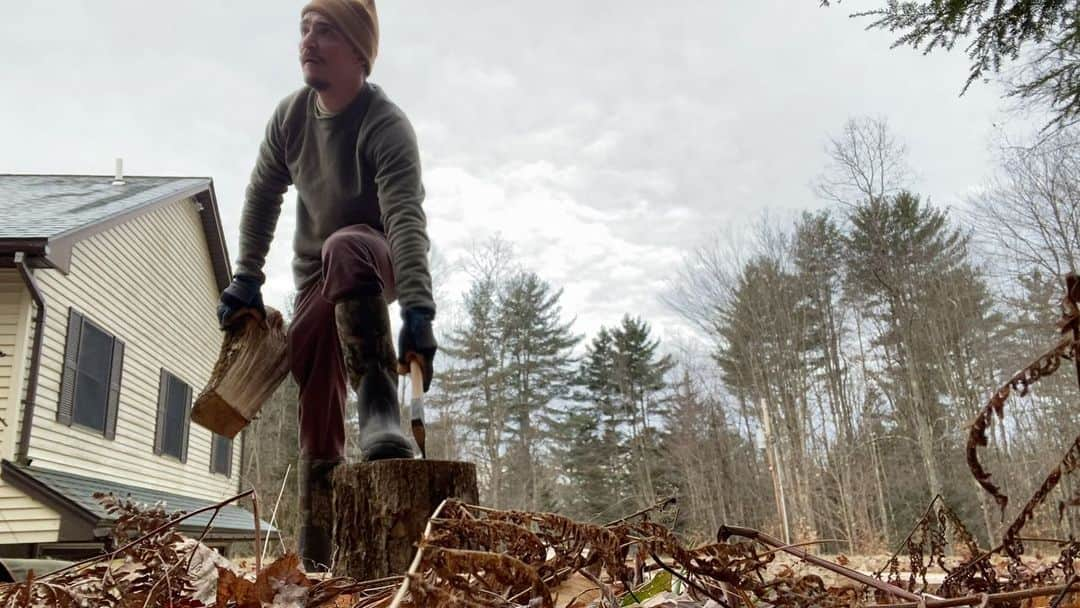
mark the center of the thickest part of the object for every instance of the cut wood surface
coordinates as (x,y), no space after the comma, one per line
(381,509)
(251,365)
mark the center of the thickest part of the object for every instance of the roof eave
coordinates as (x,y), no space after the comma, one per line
(22,480)
(35,247)
(88,521)
(215,236)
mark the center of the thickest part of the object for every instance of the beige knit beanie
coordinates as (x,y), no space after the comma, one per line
(356,19)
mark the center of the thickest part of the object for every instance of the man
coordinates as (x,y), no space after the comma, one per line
(360,242)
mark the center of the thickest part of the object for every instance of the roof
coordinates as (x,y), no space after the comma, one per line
(45,215)
(51,205)
(75,493)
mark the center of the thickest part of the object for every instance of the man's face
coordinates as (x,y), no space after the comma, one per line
(326,57)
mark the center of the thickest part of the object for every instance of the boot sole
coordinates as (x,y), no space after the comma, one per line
(388,450)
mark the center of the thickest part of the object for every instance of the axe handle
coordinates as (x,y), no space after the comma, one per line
(416,379)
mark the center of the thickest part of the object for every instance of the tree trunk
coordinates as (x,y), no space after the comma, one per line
(879,485)
(381,509)
(925,436)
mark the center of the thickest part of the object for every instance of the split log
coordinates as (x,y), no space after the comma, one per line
(251,365)
(381,509)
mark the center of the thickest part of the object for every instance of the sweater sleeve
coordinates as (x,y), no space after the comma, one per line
(263,198)
(396,160)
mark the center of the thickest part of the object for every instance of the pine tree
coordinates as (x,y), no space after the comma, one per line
(578,450)
(763,350)
(1044,35)
(538,370)
(901,256)
(817,254)
(640,382)
(590,436)
(623,392)
(480,379)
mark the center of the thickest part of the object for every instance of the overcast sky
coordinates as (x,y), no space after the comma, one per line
(602,138)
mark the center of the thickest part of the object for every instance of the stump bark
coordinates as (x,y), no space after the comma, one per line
(381,509)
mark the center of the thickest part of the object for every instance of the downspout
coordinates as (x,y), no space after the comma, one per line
(22,454)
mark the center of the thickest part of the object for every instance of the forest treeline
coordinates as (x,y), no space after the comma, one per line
(838,360)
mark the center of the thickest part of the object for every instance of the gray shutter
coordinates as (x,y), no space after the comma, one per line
(187,423)
(113,403)
(66,406)
(162,401)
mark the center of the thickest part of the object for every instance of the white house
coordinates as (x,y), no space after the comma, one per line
(108,289)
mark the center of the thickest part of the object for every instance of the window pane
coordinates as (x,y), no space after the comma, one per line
(95,354)
(222,454)
(90,397)
(92,377)
(175,413)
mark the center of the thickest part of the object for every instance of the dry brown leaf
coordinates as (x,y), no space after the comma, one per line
(233,588)
(575,592)
(284,571)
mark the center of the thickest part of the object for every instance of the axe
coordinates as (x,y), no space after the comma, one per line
(416,406)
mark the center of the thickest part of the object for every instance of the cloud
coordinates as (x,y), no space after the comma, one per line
(603,138)
(571,244)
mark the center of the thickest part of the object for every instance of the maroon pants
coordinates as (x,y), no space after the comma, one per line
(355,261)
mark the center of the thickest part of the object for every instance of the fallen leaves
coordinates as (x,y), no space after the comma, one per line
(283,577)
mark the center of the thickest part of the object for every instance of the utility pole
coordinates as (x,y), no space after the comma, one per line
(776,471)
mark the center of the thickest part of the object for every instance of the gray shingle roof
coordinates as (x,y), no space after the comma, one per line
(80,491)
(47,206)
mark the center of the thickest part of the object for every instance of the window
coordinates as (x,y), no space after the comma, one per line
(90,385)
(173,417)
(220,455)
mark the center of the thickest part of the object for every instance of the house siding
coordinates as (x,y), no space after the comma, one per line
(22,519)
(25,520)
(15,314)
(150,282)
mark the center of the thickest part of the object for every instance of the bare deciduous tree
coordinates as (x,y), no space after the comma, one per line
(1029,217)
(866,161)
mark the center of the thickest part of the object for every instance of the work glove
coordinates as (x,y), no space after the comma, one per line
(417,342)
(241,296)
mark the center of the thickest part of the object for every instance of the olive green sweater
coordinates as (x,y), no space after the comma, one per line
(358,166)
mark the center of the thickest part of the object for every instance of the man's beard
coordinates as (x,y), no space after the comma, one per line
(316,83)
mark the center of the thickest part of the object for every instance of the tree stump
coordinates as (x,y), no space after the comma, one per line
(381,509)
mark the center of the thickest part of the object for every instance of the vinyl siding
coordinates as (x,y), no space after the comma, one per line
(22,519)
(149,282)
(15,311)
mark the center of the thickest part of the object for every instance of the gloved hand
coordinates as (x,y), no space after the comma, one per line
(242,294)
(417,342)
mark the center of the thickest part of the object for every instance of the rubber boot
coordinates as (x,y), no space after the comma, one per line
(363,324)
(316,513)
